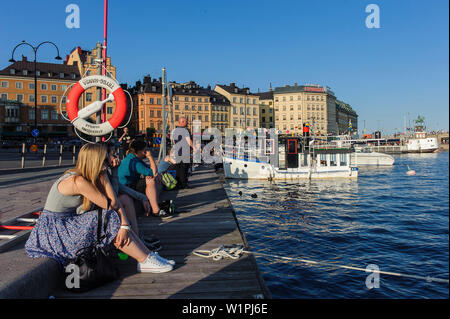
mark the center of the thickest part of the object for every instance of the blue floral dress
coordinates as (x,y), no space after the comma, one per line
(61,234)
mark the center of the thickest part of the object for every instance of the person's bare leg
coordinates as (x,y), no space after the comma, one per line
(150,191)
(130,211)
(136,249)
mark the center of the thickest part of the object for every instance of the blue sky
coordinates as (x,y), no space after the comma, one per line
(385,73)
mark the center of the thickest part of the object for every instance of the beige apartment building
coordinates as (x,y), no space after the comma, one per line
(244,108)
(266,110)
(220,110)
(305,104)
(85,62)
(193,102)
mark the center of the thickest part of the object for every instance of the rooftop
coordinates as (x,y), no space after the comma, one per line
(25,68)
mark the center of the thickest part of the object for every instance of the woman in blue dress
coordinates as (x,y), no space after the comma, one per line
(60,232)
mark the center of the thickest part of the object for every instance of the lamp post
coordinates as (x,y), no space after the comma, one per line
(35,49)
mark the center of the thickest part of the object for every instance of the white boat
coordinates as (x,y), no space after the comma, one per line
(365,156)
(420,143)
(290,164)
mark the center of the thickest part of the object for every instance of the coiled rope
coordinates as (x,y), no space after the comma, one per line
(235,252)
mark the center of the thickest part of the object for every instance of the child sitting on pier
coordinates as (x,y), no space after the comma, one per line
(60,232)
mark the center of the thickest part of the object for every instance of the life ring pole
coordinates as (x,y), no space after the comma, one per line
(104,56)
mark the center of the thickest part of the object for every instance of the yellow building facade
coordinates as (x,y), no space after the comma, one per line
(244,106)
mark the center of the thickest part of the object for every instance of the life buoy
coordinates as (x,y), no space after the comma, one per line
(77,118)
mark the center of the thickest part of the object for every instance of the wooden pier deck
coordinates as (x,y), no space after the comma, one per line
(205,220)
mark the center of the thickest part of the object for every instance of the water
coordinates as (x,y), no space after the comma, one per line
(399,223)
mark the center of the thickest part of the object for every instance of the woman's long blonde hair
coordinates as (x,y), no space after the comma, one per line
(90,164)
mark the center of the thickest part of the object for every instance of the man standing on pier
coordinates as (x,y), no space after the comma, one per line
(182,167)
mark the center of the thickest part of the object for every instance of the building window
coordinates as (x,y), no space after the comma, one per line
(152,113)
(61,75)
(177,107)
(186,107)
(31,114)
(176,117)
(20,98)
(206,107)
(4,84)
(152,101)
(54,87)
(158,101)
(44,114)
(54,99)
(4,96)
(63,99)
(206,118)
(234,100)
(38,73)
(12,71)
(199,107)
(88,97)
(43,86)
(54,115)
(72,75)
(19,85)
(158,113)
(44,99)
(63,87)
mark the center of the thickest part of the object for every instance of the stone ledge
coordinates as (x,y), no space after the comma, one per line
(23,277)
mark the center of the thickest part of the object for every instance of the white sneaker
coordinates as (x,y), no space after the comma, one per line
(164,260)
(154,264)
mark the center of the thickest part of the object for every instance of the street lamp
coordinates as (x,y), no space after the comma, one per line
(35,49)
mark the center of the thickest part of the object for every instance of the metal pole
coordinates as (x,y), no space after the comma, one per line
(60,154)
(23,155)
(73,154)
(162,147)
(98,117)
(105,37)
(35,93)
(43,155)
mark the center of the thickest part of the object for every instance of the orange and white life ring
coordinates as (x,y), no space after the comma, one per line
(77,118)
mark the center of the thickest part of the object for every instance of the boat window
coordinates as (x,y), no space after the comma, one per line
(333,161)
(343,159)
(323,159)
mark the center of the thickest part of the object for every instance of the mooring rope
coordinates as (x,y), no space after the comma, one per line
(235,252)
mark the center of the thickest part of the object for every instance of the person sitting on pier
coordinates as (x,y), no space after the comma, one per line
(60,232)
(131,169)
(127,196)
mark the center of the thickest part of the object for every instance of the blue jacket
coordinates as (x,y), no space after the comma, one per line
(131,169)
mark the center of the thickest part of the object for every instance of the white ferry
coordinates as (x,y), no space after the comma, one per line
(420,143)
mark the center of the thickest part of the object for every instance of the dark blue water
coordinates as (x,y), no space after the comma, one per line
(399,223)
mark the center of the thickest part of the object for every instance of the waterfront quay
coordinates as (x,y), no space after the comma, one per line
(204,220)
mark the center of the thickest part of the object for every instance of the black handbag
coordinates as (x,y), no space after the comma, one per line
(92,267)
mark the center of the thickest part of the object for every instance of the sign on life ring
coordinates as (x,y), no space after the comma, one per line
(78,118)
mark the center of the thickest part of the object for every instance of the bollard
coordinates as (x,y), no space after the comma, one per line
(60,153)
(43,155)
(23,155)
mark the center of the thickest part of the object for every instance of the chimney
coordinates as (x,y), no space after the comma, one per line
(147,79)
(232,85)
(295,84)
(160,79)
(24,58)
